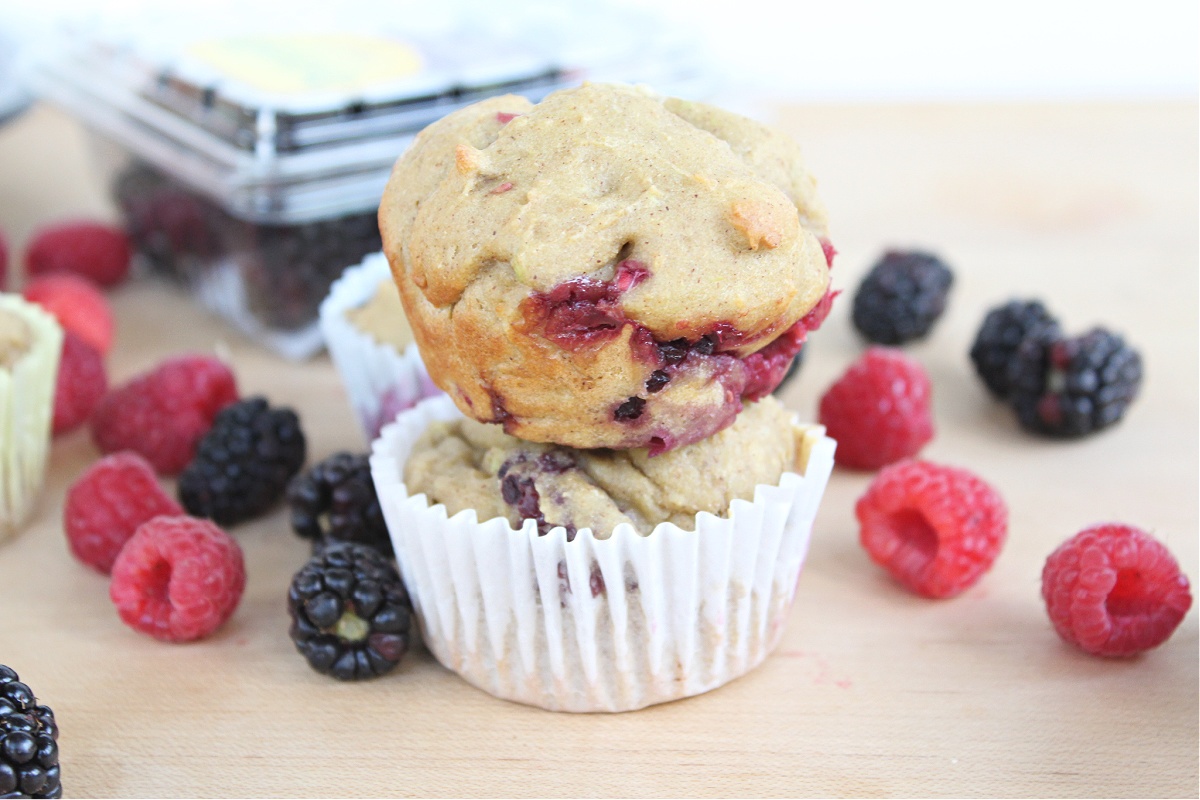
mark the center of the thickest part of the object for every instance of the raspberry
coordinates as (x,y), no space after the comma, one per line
(1114,590)
(1073,387)
(936,529)
(901,297)
(81,384)
(244,462)
(351,616)
(107,504)
(28,742)
(163,413)
(98,252)
(178,578)
(878,411)
(78,305)
(1002,332)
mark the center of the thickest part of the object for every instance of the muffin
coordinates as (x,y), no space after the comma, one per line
(599,580)
(371,345)
(30,347)
(608,268)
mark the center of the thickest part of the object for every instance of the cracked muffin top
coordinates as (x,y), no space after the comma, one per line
(608,268)
(467,465)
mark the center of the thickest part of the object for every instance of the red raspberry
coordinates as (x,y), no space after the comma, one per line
(178,578)
(95,251)
(77,304)
(107,504)
(878,411)
(1114,590)
(936,529)
(82,381)
(163,413)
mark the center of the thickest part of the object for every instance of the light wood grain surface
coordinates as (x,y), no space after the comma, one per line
(872,692)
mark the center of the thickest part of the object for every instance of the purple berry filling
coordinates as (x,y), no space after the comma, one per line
(630,410)
(583,313)
(657,380)
(518,489)
(500,413)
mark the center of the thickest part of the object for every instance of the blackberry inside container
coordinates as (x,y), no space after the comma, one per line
(285,270)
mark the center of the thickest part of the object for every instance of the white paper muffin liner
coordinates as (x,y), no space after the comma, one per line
(593,624)
(379,380)
(26,410)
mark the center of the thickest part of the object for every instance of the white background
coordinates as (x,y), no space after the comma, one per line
(865,50)
(841,50)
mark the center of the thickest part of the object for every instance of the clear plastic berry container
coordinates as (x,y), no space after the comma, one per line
(248,153)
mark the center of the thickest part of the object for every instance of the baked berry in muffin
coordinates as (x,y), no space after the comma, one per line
(608,268)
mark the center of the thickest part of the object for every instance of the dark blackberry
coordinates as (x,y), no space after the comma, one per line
(351,616)
(1073,387)
(1002,331)
(901,297)
(288,269)
(792,369)
(243,464)
(28,742)
(336,501)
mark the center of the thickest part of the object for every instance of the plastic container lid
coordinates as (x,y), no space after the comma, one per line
(286,116)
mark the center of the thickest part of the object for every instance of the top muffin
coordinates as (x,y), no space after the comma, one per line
(608,268)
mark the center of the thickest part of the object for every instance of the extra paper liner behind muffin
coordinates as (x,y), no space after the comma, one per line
(599,624)
(26,410)
(380,380)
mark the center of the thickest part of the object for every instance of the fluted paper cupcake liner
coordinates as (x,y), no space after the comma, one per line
(26,409)
(379,380)
(592,624)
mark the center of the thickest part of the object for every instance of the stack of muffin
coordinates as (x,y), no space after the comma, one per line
(608,509)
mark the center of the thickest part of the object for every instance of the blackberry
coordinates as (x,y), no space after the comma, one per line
(1072,387)
(792,369)
(28,742)
(901,297)
(243,464)
(336,501)
(288,269)
(351,616)
(1002,331)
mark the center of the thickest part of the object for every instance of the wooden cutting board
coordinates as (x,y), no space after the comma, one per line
(872,692)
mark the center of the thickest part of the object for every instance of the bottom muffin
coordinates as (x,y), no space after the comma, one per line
(630,581)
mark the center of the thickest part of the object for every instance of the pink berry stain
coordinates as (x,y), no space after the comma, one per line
(824,674)
(584,313)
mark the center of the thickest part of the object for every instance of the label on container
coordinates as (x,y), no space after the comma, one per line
(301,63)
